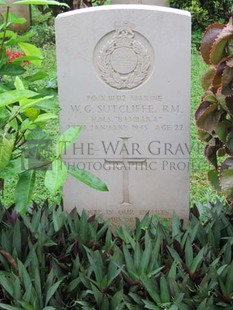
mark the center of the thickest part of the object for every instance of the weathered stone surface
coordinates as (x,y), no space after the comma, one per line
(124,75)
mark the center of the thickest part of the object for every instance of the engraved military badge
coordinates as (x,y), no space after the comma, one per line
(123,58)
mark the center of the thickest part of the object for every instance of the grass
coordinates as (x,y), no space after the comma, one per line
(200,189)
(199,166)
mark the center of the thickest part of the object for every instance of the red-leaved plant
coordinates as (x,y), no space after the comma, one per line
(214,116)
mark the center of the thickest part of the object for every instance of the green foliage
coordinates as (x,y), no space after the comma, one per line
(52,260)
(42,27)
(71,5)
(25,110)
(214,116)
(205,12)
(196,38)
(43,34)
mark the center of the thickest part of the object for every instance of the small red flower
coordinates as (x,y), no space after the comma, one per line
(12,55)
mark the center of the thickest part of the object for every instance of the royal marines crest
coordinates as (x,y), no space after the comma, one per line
(123,58)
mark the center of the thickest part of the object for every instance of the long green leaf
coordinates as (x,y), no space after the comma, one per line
(38,284)
(83,227)
(172,271)
(229,279)
(17,288)
(12,70)
(44,117)
(164,290)
(99,269)
(24,189)
(127,236)
(12,169)
(26,306)
(55,177)
(147,253)
(14,96)
(151,289)
(137,298)
(188,253)
(87,178)
(150,305)
(58,219)
(128,260)
(137,256)
(7,284)
(31,103)
(52,291)
(67,139)
(6,148)
(39,75)
(113,272)
(97,294)
(175,255)
(32,50)
(40,2)
(197,261)
(104,303)
(13,18)
(16,240)
(19,84)
(24,276)
(8,307)
(116,299)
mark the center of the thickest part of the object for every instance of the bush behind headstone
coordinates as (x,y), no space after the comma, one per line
(205,12)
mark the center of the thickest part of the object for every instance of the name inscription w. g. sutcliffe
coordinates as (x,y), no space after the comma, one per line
(122,112)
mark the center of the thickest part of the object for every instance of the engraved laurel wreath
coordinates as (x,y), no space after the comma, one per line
(123,61)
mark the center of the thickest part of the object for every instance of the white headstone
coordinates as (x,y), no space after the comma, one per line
(124,75)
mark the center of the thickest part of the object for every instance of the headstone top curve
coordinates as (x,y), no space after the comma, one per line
(142,7)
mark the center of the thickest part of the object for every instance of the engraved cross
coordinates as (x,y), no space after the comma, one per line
(124,162)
